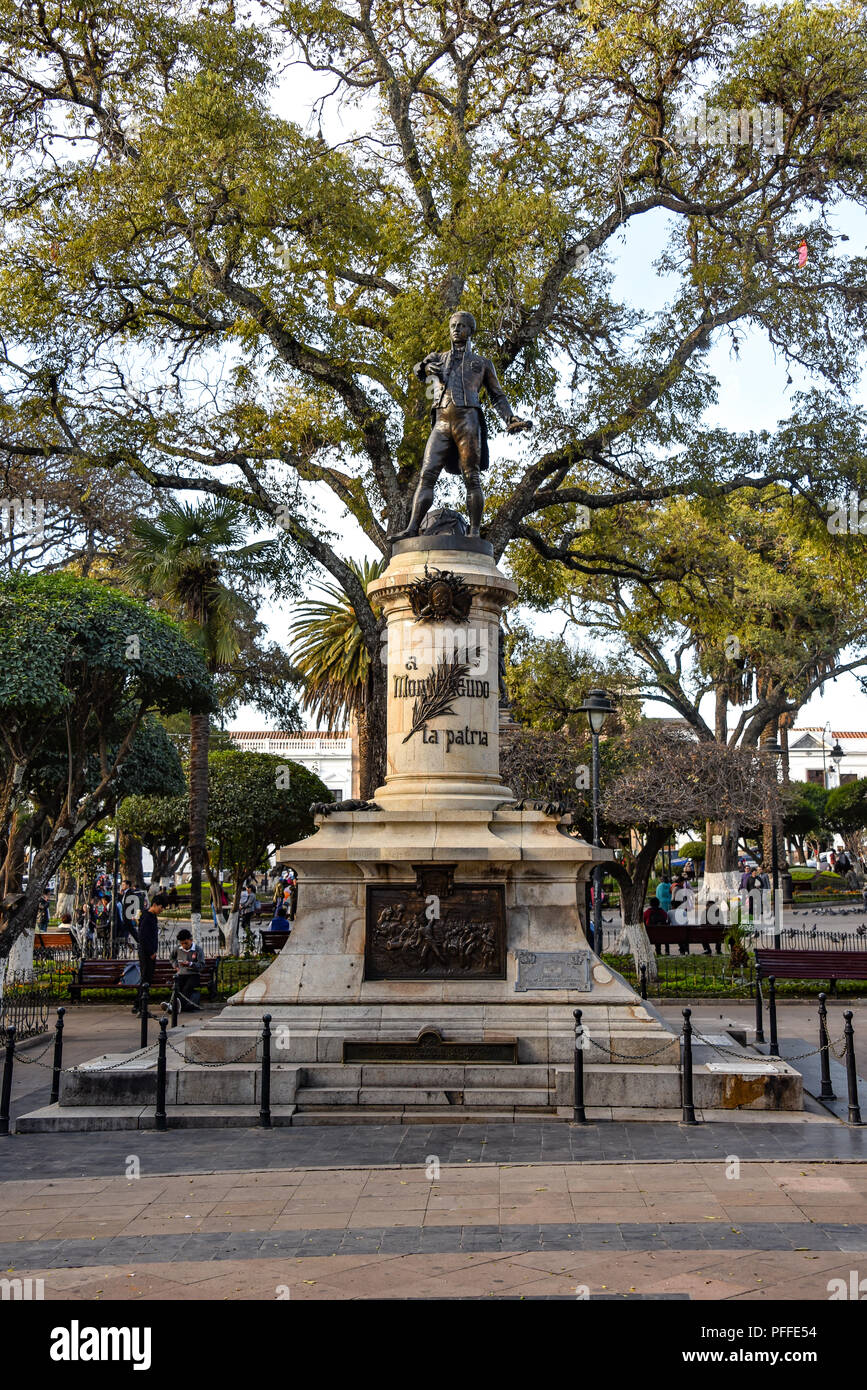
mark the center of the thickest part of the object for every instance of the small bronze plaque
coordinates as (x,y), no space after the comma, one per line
(435,935)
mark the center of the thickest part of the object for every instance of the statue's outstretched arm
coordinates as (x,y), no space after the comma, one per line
(500,400)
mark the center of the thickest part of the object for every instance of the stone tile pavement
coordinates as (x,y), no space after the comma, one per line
(701,1229)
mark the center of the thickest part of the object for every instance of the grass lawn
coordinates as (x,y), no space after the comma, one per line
(713,977)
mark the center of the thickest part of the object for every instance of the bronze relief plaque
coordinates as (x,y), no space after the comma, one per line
(414,933)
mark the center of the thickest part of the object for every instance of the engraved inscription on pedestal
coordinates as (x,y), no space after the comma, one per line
(553,970)
(417,933)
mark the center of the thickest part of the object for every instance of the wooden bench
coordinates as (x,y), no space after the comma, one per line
(676,934)
(812,965)
(106,974)
(273,941)
(54,941)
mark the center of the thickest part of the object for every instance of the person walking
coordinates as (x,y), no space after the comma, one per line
(291,898)
(148,945)
(130,907)
(246,908)
(679,912)
(43,911)
(663,893)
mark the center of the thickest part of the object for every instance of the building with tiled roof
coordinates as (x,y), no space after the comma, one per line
(330,754)
(810,754)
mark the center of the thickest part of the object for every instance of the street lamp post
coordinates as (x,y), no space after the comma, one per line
(597,706)
(773,750)
(837,756)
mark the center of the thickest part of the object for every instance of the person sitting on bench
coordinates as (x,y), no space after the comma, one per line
(189,958)
(656,916)
(280,920)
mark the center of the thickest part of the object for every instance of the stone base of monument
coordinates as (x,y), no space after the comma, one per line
(475,1023)
(111,1093)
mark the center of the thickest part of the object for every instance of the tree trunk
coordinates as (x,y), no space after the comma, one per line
(130,858)
(229,930)
(633,892)
(721,876)
(200,729)
(372,729)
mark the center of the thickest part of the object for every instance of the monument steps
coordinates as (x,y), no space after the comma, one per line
(396,1096)
(412,1115)
(430,1075)
(73,1119)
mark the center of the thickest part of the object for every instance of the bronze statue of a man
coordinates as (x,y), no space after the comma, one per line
(458,440)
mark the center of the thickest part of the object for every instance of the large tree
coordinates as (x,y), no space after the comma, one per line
(258,803)
(195,560)
(732,613)
(80,668)
(197,290)
(333,661)
(846,813)
(655,779)
(162,824)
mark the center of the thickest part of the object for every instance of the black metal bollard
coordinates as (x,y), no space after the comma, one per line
(160,1116)
(643,973)
(58,1058)
(827,1090)
(175,1003)
(6,1093)
(686,1071)
(760,1031)
(579,1116)
(265,1104)
(145,1001)
(851,1073)
(774,1049)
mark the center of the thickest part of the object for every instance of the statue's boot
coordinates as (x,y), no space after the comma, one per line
(421,505)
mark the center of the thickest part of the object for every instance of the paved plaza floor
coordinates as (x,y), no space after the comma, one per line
(439,1229)
(747,1207)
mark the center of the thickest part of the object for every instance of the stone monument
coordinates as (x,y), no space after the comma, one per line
(438,952)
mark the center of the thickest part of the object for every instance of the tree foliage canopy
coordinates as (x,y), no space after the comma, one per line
(200,293)
(80,668)
(257,801)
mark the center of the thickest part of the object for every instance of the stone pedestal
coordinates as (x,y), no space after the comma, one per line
(447,837)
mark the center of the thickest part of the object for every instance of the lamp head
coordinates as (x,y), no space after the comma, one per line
(597,706)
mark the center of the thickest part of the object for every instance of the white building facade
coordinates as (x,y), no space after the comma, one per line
(329,755)
(811,760)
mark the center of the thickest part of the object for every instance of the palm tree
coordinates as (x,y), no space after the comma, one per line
(330,654)
(191,558)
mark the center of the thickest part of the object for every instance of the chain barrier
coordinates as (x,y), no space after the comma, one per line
(626,1057)
(814,1052)
(124,1061)
(230,1063)
(34,1061)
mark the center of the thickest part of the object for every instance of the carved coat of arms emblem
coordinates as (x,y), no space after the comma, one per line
(439,597)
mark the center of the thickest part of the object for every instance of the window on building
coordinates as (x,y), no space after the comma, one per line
(815,774)
(848,777)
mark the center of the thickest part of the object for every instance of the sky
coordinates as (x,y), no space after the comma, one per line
(753,394)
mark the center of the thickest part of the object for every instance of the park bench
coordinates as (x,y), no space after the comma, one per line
(676,934)
(812,965)
(273,941)
(53,941)
(106,974)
